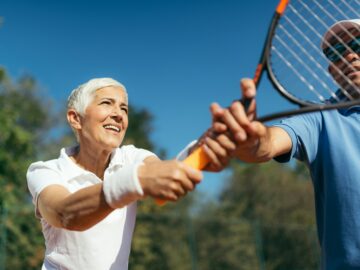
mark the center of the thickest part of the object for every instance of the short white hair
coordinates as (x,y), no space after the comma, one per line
(81,96)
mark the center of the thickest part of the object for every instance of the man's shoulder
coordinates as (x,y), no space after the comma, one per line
(301,120)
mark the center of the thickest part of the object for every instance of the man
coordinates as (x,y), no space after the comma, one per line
(328,142)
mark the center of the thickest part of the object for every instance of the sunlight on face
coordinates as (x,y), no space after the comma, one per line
(106,119)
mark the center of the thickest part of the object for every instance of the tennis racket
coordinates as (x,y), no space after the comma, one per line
(296,64)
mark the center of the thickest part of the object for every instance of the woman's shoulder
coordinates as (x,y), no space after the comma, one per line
(51,164)
(132,153)
(48,164)
(130,148)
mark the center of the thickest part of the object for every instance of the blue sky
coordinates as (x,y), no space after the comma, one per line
(174,57)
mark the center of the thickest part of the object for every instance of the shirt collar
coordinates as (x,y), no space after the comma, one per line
(117,159)
(340,97)
(71,170)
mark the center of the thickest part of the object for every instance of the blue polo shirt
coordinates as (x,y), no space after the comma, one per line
(329,143)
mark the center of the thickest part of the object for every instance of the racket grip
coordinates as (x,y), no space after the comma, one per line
(198,159)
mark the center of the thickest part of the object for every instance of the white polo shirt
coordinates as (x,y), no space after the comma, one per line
(104,246)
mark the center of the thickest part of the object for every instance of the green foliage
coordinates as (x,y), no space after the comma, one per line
(264,220)
(23,119)
(270,191)
(139,128)
(162,237)
(24,242)
(225,243)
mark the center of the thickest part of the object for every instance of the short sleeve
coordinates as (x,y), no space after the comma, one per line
(39,176)
(304,131)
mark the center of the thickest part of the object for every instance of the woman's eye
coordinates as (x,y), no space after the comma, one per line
(105,102)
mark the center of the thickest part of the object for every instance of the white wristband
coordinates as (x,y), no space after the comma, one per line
(122,186)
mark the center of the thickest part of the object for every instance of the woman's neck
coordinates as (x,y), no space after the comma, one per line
(95,161)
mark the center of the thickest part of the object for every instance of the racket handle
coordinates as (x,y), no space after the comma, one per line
(198,159)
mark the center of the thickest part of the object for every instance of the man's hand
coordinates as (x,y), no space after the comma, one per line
(238,124)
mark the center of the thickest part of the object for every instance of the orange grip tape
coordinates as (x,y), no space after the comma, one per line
(282,6)
(258,71)
(198,159)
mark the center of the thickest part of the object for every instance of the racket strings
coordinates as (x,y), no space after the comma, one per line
(340,74)
(296,57)
(309,56)
(335,7)
(357,15)
(307,67)
(295,54)
(351,9)
(300,76)
(350,89)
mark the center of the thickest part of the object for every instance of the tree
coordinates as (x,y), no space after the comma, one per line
(158,229)
(264,220)
(24,118)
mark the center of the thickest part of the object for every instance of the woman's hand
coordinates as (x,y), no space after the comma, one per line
(167,180)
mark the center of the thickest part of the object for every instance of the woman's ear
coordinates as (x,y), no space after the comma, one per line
(74,119)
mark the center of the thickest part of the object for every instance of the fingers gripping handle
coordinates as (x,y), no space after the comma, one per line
(198,159)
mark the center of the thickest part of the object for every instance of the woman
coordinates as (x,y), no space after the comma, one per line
(86,199)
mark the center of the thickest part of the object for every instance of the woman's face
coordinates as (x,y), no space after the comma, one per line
(105,121)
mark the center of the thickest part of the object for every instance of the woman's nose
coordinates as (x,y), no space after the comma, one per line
(116,113)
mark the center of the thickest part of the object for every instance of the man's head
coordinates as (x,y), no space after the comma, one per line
(341,45)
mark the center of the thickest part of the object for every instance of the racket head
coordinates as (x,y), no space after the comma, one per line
(294,58)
